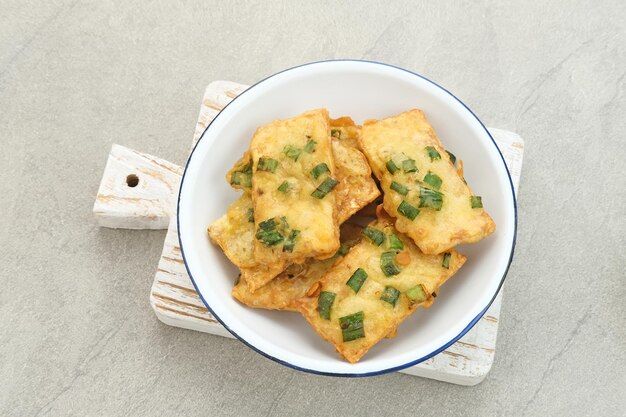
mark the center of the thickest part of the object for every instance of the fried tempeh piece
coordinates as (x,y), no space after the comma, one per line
(366,295)
(356,187)
(292,182)
(422,190)
(287,286)
(234,232)
(296,280)
(355,190)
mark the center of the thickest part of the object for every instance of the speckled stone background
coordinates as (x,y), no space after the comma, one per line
(77,335)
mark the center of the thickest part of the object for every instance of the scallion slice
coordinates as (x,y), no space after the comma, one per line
(357,279)
(251,215)
(433,180)
(388,263)
(325,187)
(269,237)
(284,187)
(352,326)
(324,303)
(452,157)
(408,165)
(432,153)
(408,210)
(374,235)
(476,201)
(430,198)
(417,294)
(395,242)
(268,224)
(336,133)
(241,178)
(291,241)
(310,146)
(319,169)
(268,231)
(267,164)
(292,152)
(399,188)
(392,167)
(274,223)
(446,260)
(390,295)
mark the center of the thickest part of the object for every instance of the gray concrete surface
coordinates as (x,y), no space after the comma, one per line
(77,335)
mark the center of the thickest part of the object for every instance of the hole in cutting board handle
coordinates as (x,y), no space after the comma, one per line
(132,180)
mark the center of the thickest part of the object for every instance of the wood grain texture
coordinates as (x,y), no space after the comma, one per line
(145,205)
(176,303)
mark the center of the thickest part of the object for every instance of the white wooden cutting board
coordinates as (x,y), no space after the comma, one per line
(138,191)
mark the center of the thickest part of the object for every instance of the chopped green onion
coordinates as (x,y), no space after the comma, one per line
(284,187)
(408,210)
(417,294)
(408,165)
(250,215)
(268,224)
(357,279)
(390,295)
(241,178)
(324,303)
(452,157)
(292,152)
(388,263)
(392,167)
(476,201)
(395,242)
(269,237)
(433,180)
(399,188)
(291,241)
(446,260)
(343,250)
(374,235)
(352,326)
(267,164)
(432,153)
(319,169)
(325,187)
(431,198)
(336,133)
(268,232)
(310,146)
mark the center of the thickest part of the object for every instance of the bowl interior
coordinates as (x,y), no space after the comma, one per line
(362,90)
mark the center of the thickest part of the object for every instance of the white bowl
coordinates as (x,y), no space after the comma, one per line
(362,90)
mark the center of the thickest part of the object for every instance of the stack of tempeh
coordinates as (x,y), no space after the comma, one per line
(304,177)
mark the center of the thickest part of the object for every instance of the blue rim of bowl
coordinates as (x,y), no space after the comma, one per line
(386,370)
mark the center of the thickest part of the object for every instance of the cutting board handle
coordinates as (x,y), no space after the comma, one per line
(137,191)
